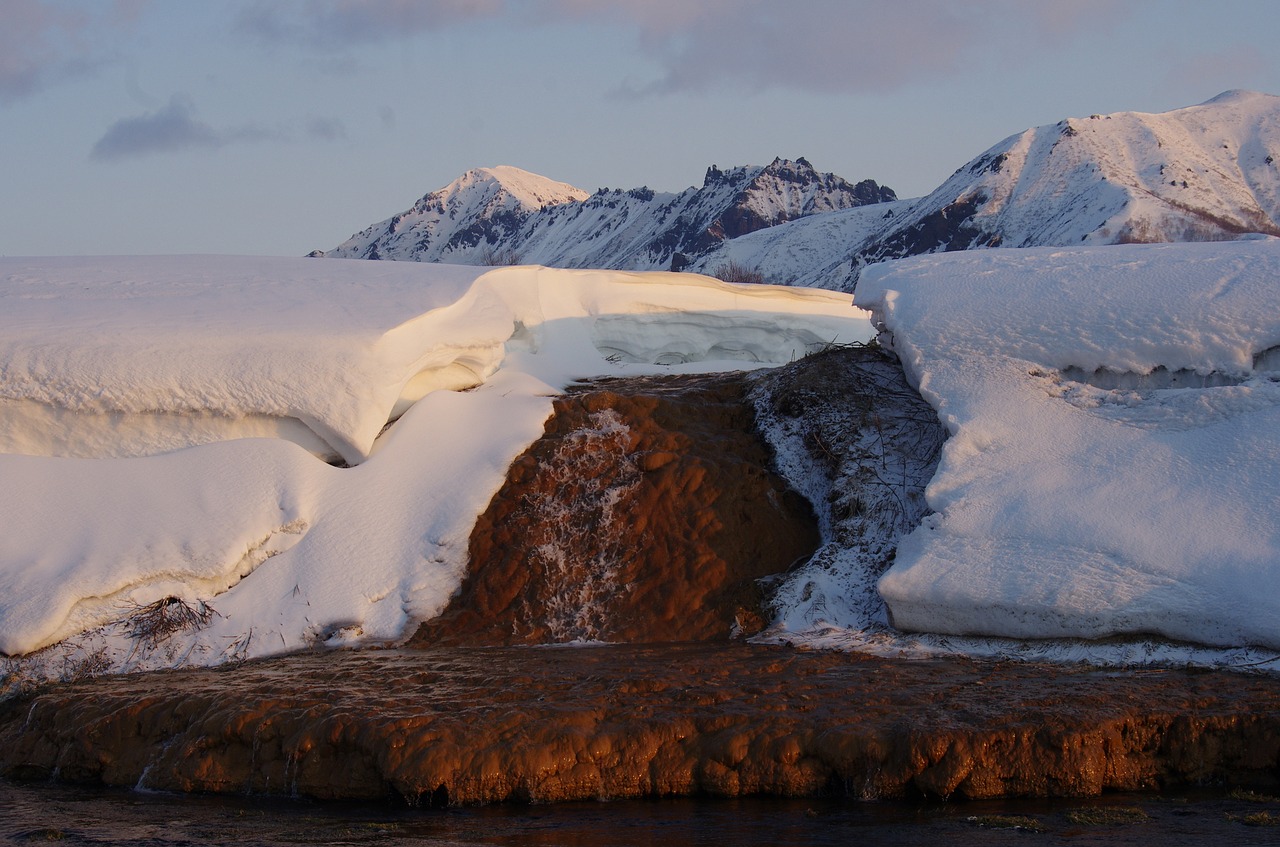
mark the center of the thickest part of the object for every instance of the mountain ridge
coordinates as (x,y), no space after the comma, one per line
(478,219)
(1199,173)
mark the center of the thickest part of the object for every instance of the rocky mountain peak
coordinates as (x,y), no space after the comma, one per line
(485,189)
(785,190)
(505,214)
(1204,172)
(733,177)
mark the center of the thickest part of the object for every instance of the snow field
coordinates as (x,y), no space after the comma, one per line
(137,505)
(170,426)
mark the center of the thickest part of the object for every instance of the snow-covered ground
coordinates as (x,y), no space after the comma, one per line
(814,251)
(214,430)
(170,427)
(1091,486)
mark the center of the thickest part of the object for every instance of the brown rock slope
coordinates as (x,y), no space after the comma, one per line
(646,512)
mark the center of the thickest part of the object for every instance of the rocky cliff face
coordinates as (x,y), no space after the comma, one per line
(646,512)
(485,725)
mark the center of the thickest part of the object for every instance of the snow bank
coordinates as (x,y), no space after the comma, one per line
(1075,504)
(163,423)
(136,356)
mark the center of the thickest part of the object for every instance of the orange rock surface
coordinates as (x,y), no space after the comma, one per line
(481,725)
(646,512)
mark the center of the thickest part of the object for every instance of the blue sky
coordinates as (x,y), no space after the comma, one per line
(276,127)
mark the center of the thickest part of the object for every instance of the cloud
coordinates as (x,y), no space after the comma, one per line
(809,45)
(174,128)
(32,45)
(339,23)
(817,45)
(847,46)
(42,43)
(167,130)
(326,129)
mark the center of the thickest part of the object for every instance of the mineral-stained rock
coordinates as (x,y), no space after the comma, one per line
(645,515)
(477,725)
(646,512)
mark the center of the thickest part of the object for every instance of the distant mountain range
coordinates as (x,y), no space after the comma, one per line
(504,215)
(1203,173)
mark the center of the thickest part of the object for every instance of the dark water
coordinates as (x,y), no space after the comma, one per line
(51,813)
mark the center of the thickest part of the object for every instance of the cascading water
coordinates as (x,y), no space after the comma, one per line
(593,474)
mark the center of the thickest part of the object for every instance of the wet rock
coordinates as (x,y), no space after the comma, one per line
(480,725)
(646,512)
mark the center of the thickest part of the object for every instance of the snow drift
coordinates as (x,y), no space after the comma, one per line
(285,448)
(1081,493)
(169,429)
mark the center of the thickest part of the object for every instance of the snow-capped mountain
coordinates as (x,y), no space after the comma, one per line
(484,208)
(505,215)
(1203,173)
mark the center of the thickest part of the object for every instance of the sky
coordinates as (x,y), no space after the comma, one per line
(277,127)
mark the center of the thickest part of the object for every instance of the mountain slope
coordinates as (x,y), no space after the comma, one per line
(1202,173)
(483,207)
(499,215)
(814,251)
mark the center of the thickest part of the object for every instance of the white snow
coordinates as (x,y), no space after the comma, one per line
(1065,507)
(164,422)
(1195,174)
(814,251)
(1113,466)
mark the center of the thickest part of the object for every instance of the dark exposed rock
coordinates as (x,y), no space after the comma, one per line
(948,229)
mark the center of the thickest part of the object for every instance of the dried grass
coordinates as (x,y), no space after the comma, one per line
(153,623)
